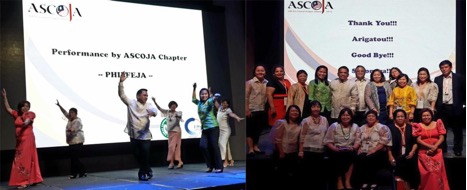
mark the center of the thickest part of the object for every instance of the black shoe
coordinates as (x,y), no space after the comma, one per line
(209,170)
(72,176)
(218,170)
(83,175)
(259,152)
(143,177)
(180,166)
(458,153)
(171,166)
(150,175)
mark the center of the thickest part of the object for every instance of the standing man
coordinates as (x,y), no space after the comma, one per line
(344,93)
(360,82)
(75,140)
(137,127)
(450,103)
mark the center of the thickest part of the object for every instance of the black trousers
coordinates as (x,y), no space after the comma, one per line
(209,145)
(141,152)
(255,124)
(451,120)
(77,167)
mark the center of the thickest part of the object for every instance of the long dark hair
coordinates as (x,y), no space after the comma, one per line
(325,80)
(390,73)
(20,105)
(427,74)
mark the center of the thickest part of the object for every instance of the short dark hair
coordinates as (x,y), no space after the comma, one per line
(383,78)
(277,66)
(226,100)
(444,62)
(344,110)
(299,119)
(343,67)
(256,66)
(394,114)
(20,105)
(140,91)
(172,103)
(301,71)
(401,76)
(73,110)
(427,110)
(371,112)
(314,103)
(360,66)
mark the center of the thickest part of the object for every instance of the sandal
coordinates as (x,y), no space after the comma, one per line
(22,187)
(231,163)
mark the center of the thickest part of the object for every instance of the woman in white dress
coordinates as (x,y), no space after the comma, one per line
(223,118)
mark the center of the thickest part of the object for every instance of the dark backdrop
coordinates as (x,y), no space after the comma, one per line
(265,45)
(224,42)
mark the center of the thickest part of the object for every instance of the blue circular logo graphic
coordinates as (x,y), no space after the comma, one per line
(193,126)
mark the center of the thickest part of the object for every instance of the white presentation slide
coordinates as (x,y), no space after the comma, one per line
(76,50)
(375,34)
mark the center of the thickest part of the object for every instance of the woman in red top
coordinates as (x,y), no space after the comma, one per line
(430,134)
(25,169)
(277,95)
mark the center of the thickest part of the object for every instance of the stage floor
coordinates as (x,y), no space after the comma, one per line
(191,176)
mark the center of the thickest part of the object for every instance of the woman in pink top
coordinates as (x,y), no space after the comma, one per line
(25,170)
(430,135)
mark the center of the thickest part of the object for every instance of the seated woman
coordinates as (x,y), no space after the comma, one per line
(373,138)
(340,140)
(285,134)
(403,152)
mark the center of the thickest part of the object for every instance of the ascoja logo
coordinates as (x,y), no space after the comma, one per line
(320,6)
(55,10)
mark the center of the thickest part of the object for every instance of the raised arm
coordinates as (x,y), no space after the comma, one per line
(7,105)
(121,91)
(65,113)
(193,96)
(157,105)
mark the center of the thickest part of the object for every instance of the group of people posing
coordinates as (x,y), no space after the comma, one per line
(350,130)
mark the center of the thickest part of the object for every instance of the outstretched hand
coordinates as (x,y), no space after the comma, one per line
(122,76)
(58,103)
(4,93)
(153,99)
(194,85)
